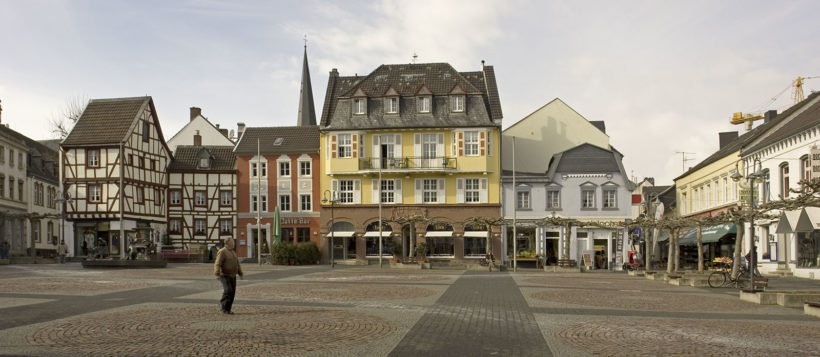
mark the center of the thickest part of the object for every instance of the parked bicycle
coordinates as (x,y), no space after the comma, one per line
(723,277)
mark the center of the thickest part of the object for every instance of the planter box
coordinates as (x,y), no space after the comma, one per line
(812,308)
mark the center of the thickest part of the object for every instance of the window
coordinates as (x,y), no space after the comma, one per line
(253,169)
(2,154)
(36,193)
(226,226)
(138,194)
(428,145)
(20,184)
(805,170)
(94,194)
(423,104)
(50,231)
(345,191)
(472,190)
(204,163)
(263,167)
(11,157)
(52,197)
(2,185)
(784,179)
(35,231)
(522,201)
(176,197)
(284,168)
(391,105)
(305,203)
(200,226)
(345,146)
(11,188)
(610,198)
(359,106)
(157,196)
(683,203)
(130,159)
(174,225)
(767,186)
(304,168)
(429,191)
(284,203)
(19,160)
(200,198)
(146,133)
(264,203)
(553,199)
(259,168)
(388,194)
(92,158)
(471,143)
(225,198)
(587,198)
(457,103)
(303,235)
(255,203)
(725,190)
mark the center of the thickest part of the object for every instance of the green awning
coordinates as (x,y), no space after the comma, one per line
(710,234)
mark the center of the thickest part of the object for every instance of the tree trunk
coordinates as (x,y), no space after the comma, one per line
(647,255)
(676,233)
(671,253)
(567,237)
(741,230)
(700,249)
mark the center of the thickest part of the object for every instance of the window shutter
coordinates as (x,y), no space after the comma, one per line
(440,145)
(376,149)
(357,191)
(460,143)
(397,147)
(419,185)
(483,193)
(489,143)
(333,146)
(441,192)
(375,189)
(453,149)
(417,149)
(397,193)
(354,140)
(460,190)
(482,141)
(334,188)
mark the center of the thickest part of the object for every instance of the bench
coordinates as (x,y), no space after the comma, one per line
(176,254)
(760,282)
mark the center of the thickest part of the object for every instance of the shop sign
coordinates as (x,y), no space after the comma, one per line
(295,221)
(746,195)
(814,159)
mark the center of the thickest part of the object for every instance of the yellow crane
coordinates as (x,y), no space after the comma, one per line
(797,95)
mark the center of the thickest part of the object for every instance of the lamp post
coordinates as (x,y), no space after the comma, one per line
(751,177)
(332,201)
(64,199)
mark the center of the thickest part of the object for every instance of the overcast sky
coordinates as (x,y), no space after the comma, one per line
(665,76)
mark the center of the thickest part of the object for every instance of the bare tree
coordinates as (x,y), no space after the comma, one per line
(61,123)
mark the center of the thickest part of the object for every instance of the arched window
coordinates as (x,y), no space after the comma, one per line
(371,237)
(805,169)
(784,179)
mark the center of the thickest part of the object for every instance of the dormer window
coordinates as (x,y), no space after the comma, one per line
(391,105)
(359,106)
(204,163)
(457,103)
(423,104)
(278,141)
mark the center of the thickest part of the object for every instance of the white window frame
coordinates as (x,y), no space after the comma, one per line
(204,197)
(588,198)
(388,191)
(609,198)
(284,168)
(429,193)
(93,156)
(204,230)
(359,106)
(472,190)
(222,226)
(225,201)
(523,199)
(175,225)
(305,168)
(346,191)
(175,201)
(344,146)
(285,202)
(471,143)
(553,203)
(391,105)
(424,104)
(305,202)
(94,193)
(457,103)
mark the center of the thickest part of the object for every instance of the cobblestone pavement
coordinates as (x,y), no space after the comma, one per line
(64,310)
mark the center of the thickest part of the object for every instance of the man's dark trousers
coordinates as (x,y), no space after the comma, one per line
(228,292)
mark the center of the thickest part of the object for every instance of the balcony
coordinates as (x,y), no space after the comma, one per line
(408,163)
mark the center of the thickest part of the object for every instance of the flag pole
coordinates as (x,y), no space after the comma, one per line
(258,206)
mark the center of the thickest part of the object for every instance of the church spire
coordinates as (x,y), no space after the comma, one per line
(307,112)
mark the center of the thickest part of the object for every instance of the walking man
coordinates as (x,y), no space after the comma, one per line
(62,251)
(226,267)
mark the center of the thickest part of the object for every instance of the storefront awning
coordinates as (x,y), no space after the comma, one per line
(341,234)
(802,220)
(439,234)
(482,234)
(376,234)
(709,234)
(787,221)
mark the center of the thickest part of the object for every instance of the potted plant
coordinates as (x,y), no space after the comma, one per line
(421,252)
(396,251)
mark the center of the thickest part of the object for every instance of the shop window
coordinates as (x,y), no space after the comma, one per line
(808,249)
(302,235)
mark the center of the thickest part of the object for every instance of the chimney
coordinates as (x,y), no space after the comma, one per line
(224,131)
(769,115)
(726,137)
(482,65)
(240,129)
(599,124)
(197,139)
(195,112)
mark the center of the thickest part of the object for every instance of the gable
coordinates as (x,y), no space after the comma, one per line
(423,90)
(391,92)
(209,133)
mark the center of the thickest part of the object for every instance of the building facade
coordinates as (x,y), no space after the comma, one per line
(200,128)
(424,141)
(114,164)
(13,197)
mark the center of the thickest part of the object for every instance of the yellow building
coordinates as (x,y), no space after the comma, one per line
(433,135)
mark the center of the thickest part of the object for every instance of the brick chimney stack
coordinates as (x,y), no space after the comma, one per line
(197,139)
(195,112)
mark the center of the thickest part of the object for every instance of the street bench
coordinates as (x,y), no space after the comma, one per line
(176,254)
(761,282)
(566,263)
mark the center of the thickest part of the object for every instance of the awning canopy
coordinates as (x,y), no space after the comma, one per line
(802,220)
(376,234)
(709,234)
(482,234)
(341,234)
(439,234)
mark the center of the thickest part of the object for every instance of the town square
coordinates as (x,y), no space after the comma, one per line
(389,178)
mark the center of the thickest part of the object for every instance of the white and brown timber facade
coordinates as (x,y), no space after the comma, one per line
(202,201)
(114,170)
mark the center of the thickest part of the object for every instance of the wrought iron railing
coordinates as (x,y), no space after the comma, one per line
(407,163)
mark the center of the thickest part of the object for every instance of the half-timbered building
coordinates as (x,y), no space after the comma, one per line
(202,195)
(114,164)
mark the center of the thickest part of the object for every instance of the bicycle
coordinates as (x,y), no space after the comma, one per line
(723,277)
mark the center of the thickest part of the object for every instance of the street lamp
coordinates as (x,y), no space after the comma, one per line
(64,199)
(751,177)
(332,201)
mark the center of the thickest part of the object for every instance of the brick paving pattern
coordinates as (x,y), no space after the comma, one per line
(643,300)
(332,292)
(202,330)
(70,285)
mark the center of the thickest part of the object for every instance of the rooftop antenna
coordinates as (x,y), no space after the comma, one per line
(415,56)
(684,159)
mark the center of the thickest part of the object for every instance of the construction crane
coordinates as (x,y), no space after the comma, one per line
(797,94)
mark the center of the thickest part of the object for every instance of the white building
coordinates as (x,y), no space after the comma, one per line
(209,134)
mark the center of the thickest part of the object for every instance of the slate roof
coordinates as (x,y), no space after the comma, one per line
(307,112)
(296,139)
(106,121)
(737,144)
(187,157)
(810,117)
(589,159)
(482,106)
(42,161)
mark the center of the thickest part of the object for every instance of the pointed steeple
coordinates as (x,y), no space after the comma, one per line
(307,113)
